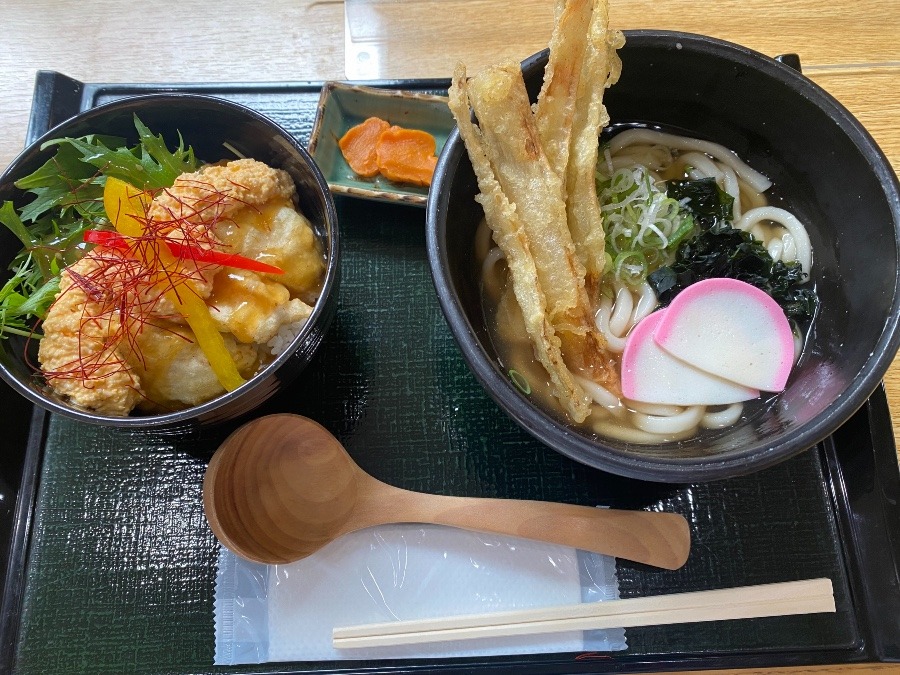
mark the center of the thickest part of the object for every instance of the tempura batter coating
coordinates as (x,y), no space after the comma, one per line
(507,222)
(570,115)
(524,173)
(79,358)
(555,108)
(216,191)
(601,69)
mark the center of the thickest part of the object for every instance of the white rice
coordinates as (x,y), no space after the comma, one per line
(285,335)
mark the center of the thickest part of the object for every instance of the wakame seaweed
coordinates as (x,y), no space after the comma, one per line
(720,250)
(709,204)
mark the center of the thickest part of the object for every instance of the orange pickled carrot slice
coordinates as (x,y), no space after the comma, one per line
(358,146)
(406,155)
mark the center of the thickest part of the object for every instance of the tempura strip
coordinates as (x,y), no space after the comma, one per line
(600,69)
(500,101)
(508,225)
(555,109)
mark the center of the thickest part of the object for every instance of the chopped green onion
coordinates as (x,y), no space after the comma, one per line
(643,225)
(519,380)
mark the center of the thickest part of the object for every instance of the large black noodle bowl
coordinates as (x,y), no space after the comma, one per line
(831,174)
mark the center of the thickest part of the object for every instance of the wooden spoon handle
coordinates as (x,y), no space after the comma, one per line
(658,539)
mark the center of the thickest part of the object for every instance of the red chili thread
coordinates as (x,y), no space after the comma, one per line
(125,286)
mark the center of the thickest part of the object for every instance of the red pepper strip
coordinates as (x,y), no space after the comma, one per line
(184,252)
(209,255)
(106,238)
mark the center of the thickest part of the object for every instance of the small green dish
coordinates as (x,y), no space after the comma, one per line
(342,106)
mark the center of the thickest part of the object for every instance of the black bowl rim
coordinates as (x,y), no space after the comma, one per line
(753,457)
(204,410)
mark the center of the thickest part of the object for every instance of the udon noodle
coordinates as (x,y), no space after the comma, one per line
(644,156)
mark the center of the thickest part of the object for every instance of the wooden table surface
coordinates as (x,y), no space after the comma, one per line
(850,49)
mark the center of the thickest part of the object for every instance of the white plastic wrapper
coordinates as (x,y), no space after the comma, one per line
(399,572)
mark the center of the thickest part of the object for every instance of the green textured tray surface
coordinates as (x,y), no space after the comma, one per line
(121,569)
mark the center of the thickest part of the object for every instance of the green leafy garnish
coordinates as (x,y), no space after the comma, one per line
(68,199)
(23,297)
(148,165)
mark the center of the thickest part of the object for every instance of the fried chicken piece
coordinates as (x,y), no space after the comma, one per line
(209,195)
(200,202)
(78,353)
(246,207)
(174,370)
(251,308)
(279,235)
(90,358)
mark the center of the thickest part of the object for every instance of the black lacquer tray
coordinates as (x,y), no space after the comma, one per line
(109,566)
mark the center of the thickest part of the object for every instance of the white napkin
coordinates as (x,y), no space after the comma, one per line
(398,572)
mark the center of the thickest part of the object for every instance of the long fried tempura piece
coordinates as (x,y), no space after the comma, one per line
(498,97)
(508,226)
(600,69)
(535,171)
(555,109)
(570,116)
(523,204)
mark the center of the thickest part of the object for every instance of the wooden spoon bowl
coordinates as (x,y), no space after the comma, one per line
(281,487)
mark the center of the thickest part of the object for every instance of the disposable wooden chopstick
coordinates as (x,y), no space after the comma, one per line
(809,596)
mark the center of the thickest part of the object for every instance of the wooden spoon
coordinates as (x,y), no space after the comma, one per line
(281,487)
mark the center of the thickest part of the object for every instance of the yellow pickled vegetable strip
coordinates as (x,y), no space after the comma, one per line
(196,313)
(126,207)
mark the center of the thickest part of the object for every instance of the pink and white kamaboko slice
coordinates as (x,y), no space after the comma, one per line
(730,329)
